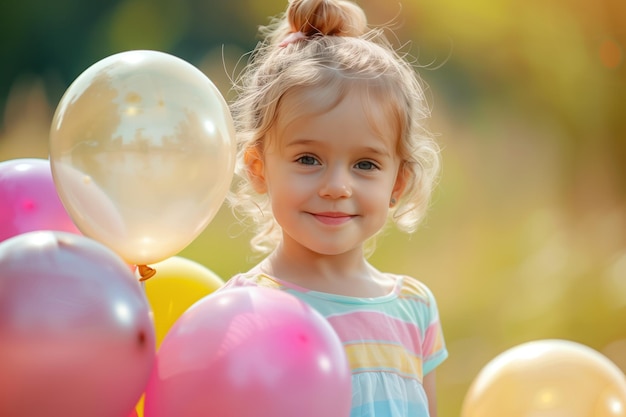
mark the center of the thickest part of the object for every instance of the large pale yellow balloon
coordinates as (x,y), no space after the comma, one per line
(177,284)
(548,378)
(142,153)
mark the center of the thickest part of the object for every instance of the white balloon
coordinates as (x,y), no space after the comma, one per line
(142,152)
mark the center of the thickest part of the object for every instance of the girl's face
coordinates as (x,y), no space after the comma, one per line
(330,176)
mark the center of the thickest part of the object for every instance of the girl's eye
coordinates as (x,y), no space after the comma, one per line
(307,160)
(366,165)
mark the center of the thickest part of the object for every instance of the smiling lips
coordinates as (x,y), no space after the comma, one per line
(332,218)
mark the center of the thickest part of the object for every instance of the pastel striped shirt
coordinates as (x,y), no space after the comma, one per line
(391,341)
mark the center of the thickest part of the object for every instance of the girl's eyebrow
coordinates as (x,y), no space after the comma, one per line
(300,142)
(377,150)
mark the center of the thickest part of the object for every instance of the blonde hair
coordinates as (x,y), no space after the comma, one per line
(337,52)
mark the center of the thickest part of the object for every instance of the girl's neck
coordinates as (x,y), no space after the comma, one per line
(343,274)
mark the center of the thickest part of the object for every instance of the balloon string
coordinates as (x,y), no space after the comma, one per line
(145,272)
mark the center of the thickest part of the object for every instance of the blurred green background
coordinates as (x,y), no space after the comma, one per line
(526,238)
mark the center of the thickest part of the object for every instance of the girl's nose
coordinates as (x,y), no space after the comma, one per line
(336,184)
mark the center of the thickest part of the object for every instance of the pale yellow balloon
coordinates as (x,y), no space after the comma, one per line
(548,378)
(176,286)
(152,138)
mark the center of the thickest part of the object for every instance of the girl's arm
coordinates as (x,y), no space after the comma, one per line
(431,393)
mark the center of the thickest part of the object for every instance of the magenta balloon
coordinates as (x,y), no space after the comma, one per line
(29,199)
(247,352)
(76,335)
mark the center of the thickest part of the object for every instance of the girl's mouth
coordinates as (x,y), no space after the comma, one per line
(333,218)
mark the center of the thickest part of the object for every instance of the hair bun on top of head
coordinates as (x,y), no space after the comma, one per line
(326,17)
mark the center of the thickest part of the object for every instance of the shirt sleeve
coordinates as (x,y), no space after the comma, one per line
(434,346)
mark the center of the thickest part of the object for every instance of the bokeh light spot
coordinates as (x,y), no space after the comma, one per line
(610,53)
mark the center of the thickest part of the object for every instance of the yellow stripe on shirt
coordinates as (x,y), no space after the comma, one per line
(376,357)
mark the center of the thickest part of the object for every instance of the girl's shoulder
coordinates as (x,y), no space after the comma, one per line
(411,287)
(253,278)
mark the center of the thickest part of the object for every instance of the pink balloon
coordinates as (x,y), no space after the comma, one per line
(29,199)
(76,335)
(250,351)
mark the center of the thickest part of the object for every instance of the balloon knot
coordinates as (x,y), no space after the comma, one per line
(145,272)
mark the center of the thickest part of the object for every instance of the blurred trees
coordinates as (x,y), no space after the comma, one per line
(56,41)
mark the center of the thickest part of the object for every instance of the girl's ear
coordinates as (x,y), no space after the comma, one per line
(399,186)
(256,169)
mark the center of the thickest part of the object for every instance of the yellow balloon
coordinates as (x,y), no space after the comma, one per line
(548,378)
(142,153)
(177,284)
(139,407)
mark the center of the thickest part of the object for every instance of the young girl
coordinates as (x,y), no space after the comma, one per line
(331,146)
